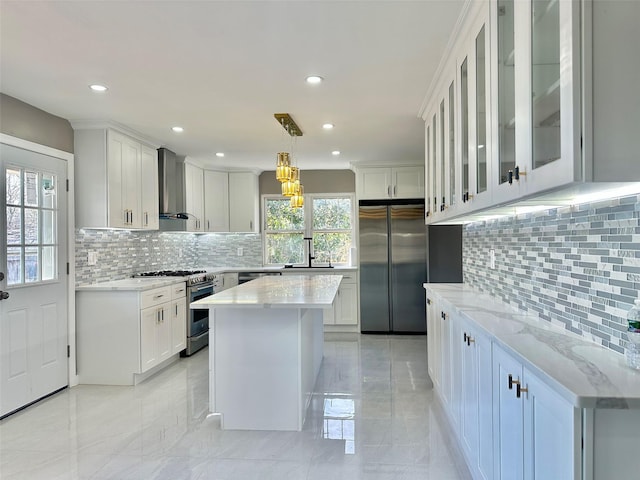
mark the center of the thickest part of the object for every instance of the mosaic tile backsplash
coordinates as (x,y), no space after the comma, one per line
(122,253)
(575,266)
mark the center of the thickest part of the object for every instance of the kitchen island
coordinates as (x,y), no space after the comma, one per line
(265,349)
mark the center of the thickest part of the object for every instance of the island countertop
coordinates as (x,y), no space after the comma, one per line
(281,291)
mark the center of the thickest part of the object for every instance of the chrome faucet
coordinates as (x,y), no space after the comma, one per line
(311,257)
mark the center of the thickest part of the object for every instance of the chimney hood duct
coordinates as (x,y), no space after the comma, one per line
(171,191)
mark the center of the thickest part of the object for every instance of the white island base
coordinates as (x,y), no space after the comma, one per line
(263,367)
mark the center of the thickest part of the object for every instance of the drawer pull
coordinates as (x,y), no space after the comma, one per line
(156,297)
(520,389)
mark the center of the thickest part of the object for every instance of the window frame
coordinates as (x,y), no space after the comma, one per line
(308,224)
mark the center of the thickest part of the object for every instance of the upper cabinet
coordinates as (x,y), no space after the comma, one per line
(244,202)
(221,201)
(216,201)
(531,101)
(194,197)
(377,183)
(116,180)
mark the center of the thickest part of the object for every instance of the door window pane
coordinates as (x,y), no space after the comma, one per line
(31,265)
(31,230)
(13,187)
(14,265)
(31,189)
(32,226)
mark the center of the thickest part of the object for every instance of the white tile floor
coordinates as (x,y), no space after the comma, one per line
(374,417)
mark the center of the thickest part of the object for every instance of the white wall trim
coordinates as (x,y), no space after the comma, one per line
(35,147)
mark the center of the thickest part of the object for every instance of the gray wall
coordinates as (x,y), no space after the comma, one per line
(575,266)
(27,122)
(314,181)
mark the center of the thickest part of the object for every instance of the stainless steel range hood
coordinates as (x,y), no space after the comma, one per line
(173,218)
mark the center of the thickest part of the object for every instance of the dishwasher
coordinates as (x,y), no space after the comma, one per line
(244,277)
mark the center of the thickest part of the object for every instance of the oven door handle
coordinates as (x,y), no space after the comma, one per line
(200,288)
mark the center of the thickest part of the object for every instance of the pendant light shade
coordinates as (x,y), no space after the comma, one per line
(289,186)
(297,200)
(283,167)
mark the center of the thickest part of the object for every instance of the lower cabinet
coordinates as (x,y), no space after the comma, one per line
(535,429)
(123,334)
(509,424)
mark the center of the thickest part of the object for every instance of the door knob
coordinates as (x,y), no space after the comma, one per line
(4,295)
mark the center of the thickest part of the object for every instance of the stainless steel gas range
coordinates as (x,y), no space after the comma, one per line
(200,284)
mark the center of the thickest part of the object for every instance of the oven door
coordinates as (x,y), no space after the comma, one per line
(198,318)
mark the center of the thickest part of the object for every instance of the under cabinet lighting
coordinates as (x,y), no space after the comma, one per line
(98,88)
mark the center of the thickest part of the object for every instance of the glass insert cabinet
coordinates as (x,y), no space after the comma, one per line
(528,101)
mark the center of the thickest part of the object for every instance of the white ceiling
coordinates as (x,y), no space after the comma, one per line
(221,69)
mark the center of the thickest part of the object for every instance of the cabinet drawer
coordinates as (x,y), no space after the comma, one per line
(348,278)
(179,290)
(154,297)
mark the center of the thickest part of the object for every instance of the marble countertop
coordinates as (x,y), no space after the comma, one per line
(584,373)
(131,284)
(286,291)
(280,269)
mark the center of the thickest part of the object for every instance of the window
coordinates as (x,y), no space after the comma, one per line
(32,211)
(328,219)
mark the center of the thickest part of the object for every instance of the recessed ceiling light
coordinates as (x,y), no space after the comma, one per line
(98,88)
(314,79)
(177,129)
(327,126)
(219,154)
(335,152)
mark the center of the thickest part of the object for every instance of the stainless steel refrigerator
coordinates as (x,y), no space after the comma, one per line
(392,242)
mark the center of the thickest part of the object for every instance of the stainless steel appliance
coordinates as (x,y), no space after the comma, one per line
(200,284)
(392,242)
(171,186)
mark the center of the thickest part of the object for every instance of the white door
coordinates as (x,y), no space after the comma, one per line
(33,259)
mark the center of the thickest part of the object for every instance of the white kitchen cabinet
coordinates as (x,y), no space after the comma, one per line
(535,429)
(194,197)
(346,307)
(556,116)
(244,202)
(476,400)
(116,180)
(390,182)
(434,344)
(178,315)
(216,201)
(126,335)
(149,188)
(229,279)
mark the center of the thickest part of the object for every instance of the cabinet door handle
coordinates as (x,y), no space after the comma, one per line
(394,190)
(388,190)
(428,301)
(512,382)
(520,389)
(251,225)
(464,337)
(157,317)
(146,219)
(131,221)
(208,225)
(162,315)
(470,340)
(176,309)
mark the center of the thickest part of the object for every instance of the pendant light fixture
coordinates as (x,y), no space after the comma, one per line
(287,174)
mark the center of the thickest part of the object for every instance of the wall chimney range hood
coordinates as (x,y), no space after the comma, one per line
(171,192)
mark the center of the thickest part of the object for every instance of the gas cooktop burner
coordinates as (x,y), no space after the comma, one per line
(170,273)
